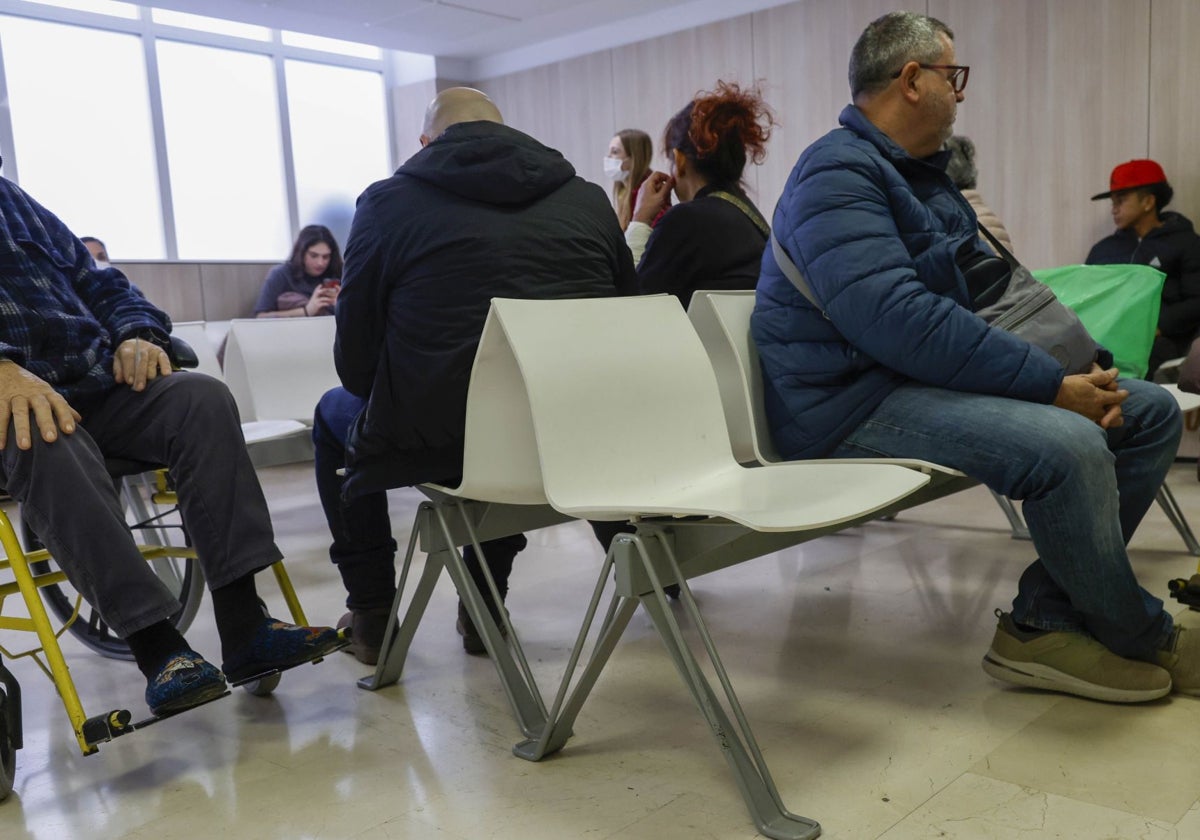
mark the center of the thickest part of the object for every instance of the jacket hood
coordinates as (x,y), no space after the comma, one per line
(1173,222)
(491,163)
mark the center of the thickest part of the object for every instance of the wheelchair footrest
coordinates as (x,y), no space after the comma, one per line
(343,640)
(103,728)
(1186,590)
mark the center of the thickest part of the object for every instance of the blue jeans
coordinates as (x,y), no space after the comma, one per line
(1084,491)
(363,548)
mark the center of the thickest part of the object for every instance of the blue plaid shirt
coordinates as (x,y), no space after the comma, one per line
(61,318)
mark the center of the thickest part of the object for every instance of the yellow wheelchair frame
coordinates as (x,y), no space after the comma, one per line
(89,732)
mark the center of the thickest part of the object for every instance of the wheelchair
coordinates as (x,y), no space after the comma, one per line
(161,536)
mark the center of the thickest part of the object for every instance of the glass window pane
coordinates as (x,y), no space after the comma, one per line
(224,151)
(339,140)
(210,24)
(82,131)
(333,45)
(102,7)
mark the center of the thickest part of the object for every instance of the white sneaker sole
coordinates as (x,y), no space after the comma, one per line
(1034,675)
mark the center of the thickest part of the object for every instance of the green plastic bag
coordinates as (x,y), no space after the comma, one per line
(1117,303)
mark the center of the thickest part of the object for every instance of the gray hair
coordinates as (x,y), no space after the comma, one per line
(961,167)
(889,43)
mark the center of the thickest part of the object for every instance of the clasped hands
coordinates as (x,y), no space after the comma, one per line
(1093,395)
(24,395)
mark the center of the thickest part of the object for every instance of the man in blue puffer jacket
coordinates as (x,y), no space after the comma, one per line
(894,363)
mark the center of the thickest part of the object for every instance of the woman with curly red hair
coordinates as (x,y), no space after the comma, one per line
(714,237)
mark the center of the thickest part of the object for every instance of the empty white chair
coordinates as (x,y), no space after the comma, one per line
(278,368)
(272,440)
(629,422)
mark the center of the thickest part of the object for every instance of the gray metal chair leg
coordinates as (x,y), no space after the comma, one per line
(1166,500)
(564,710)
(508,656)
(734,737)
(1019,530)
(397,642)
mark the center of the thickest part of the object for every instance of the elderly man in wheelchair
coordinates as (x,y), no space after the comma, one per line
(85,374)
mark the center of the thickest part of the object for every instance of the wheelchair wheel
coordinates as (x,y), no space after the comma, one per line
(263,687)
(182,577)
(8,750)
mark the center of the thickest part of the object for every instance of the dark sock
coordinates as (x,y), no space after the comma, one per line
(152,646)
(238,613)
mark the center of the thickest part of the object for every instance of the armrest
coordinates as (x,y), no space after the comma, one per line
(182,355)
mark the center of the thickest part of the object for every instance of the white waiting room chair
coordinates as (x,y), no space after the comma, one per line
(609,409)
(277,370)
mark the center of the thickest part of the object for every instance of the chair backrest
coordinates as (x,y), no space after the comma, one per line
(621,394)
(722,320)
(196,335)
(500,458)
(278,368)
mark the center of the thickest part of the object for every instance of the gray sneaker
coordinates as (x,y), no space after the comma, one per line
(1181,658)
(1074,663)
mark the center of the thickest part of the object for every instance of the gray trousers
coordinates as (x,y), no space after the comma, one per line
(187,422)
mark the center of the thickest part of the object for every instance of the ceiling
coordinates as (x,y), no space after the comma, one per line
(464,29)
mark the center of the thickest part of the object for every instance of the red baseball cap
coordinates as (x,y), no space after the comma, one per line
(1131,175)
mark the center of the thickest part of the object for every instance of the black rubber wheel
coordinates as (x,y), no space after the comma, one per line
(181,575)
(8,752)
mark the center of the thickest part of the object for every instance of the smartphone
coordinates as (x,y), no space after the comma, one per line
(332,284)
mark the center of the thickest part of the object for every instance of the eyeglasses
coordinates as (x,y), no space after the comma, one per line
(957,78)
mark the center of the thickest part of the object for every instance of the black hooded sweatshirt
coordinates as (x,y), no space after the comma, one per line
(483,211)
(1174,249)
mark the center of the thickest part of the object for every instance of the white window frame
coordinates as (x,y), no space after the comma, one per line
(150,32)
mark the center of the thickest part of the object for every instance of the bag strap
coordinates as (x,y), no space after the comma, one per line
(752,214)
(793,274)
(1000,249)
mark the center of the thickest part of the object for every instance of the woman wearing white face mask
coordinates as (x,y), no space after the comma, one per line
(627,165)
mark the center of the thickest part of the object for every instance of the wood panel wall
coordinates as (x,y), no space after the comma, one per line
(199,291)
(1060,92)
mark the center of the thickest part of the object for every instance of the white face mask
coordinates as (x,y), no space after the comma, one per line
(613,170)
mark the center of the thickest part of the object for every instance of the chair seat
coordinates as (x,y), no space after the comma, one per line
(778,497)
(257,431)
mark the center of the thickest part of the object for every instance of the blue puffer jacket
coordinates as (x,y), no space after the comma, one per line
(875,232)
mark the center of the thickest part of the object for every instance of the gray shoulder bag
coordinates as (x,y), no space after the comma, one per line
(1006,296)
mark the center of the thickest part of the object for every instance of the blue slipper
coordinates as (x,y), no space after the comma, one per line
(277,646)
(185,680)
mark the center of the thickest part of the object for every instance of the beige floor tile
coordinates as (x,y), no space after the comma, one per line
(1129,758)
(978,808)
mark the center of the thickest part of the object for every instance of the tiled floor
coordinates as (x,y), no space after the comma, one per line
(856,657)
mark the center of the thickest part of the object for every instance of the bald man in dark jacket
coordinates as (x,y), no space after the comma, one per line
(481,211)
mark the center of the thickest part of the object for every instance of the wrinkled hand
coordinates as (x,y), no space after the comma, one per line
(1094,395)
(22,394)
(653,196)
(322,297)
(137,361)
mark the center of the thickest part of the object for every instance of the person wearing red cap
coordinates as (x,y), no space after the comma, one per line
(1146,235)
